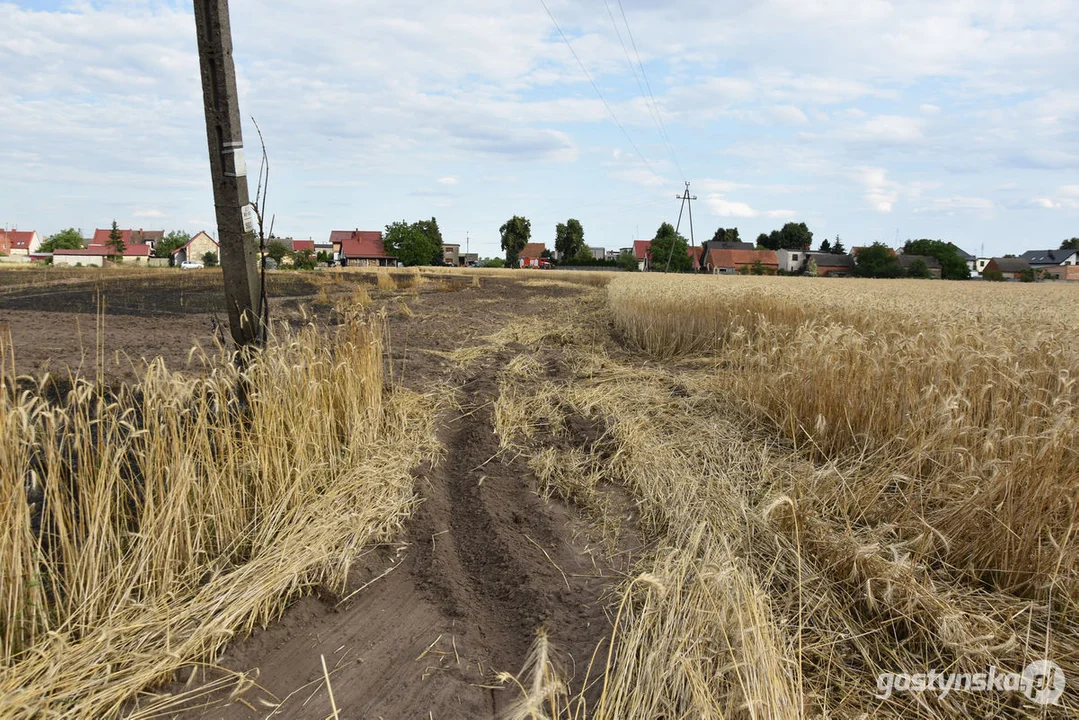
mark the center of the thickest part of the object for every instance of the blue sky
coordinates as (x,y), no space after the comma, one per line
(863,118)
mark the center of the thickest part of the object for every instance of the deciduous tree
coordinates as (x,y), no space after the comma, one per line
(877,261)
(952,267)
(669,251)
(69,239)
(568,239)
(515,234)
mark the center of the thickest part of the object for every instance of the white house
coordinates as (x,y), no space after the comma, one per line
(791,260)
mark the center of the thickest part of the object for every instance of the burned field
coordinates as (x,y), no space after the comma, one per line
(527,494)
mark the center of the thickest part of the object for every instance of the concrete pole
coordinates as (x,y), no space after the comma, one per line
(228,171)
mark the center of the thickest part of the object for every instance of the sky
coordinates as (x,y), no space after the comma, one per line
(867,119)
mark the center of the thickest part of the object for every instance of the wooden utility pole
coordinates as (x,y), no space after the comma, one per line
(228,171)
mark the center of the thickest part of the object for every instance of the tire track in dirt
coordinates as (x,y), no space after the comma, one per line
(485,562)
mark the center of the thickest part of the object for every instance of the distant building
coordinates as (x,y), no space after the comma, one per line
(360,248)
(1011,268)
(451,253)
(1051,258)
(19,242)
(532,255)
(791,261)
(832,264)
(642,250)
(97,255)
(598,253)
(930,262)
(729,262)
(199,244)
(131,237)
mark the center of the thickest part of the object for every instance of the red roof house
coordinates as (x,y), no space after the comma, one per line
(20,242)
(733,261)
(131,237)
(5,243)
(362,248)
(301,245)
(531,255)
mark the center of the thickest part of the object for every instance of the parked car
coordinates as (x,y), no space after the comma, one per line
(191,265)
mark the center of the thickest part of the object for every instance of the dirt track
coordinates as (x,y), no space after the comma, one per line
(485,562)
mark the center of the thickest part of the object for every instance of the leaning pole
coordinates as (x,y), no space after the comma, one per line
(228,171)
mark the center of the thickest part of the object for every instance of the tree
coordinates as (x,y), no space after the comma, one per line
(209,259)
(1072,244)
(324,257)
(515,234)
(837,247)
(429,229)
(303,260)
(793,236)
(811,267)
(277,250)
(628,261)
(919,269)
(412,244)
(826,245)
(952,267)
(496,262)
(568,238)
(669,251)
(878,261)
(173,240)
(116,240)
(69,239)
(729,235)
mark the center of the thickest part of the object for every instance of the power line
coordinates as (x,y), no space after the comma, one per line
(632,67)
(655,106)
(596,88)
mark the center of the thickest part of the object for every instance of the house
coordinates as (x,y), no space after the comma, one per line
(642,250)
(930,262)
(1010,267)
(970,260)
(360,248)
(451,253)
(695,256)
(131,237)
(303,246)
(980,263)
(1039,259)
(791,261)
(20,242)
(97,255)
(199,244)
(598,253)
(728,262)
(831,264)
(531,255)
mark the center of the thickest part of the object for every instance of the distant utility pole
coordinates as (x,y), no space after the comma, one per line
(228,171)
(687,204)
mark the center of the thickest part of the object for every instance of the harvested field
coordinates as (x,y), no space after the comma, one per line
(578,495)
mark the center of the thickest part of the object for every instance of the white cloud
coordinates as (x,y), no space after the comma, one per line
(449,180)
(929,109)
(957,203)
(727,208)
(881,193)
(149,213)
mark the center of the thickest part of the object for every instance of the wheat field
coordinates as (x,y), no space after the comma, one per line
(838,479)
(142,528)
